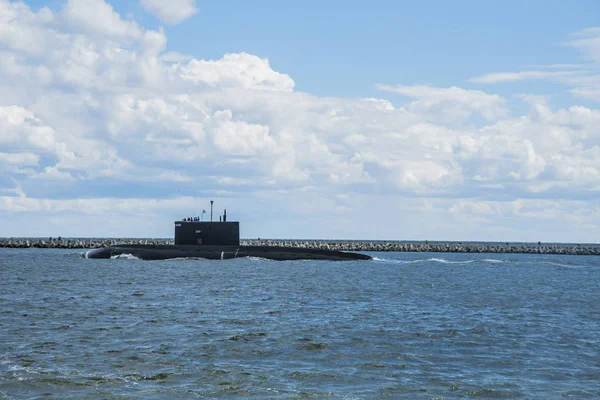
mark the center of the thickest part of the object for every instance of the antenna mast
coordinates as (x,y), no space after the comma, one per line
(211,206)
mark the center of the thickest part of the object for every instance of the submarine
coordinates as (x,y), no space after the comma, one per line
(220,240)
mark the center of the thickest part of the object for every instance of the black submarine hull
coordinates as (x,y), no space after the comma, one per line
(164,252)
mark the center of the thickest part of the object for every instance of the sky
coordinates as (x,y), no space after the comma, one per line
(381,120)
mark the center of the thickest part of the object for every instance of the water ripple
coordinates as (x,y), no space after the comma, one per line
(416,326)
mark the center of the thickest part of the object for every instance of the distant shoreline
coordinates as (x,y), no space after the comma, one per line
(343,245)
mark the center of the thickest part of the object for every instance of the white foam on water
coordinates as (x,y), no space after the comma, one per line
(477,261)
(125,256)
(395,260)
(444,261)
(253,258)
(484,260)
(561,265)
(438,260)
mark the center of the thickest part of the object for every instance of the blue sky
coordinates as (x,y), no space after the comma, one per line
(342,48)
(460,120)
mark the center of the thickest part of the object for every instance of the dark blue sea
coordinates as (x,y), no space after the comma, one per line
(404,326)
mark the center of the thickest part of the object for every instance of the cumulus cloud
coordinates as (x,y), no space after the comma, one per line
(21,130)
(170,11)
(96,17)
(452,103)
(100,122)
(236,70)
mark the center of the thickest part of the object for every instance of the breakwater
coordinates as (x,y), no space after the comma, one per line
(376,246)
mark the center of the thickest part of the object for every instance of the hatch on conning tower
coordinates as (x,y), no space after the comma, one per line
(195,231)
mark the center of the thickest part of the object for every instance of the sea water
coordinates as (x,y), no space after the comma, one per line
(405,325)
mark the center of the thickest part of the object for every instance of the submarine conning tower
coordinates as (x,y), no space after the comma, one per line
(194,231)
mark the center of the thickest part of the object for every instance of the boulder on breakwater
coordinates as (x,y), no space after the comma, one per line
(375,246)
(75,243)
(437,247)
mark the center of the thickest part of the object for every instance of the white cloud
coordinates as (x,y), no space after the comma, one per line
(22,130)
(236,70)
(239,137)
(170,11)
(452,103)
(520,76)
(22,30)
(587,40)
(15,160)
(175,57)
(53,173)
(584,79)
(96,17)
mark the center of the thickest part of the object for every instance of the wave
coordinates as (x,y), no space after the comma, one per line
(561,265)
(484,261)
(125,256)
(493,260)
(439,260)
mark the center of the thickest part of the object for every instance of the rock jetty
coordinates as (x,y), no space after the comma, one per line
(74,243)
(369,246)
